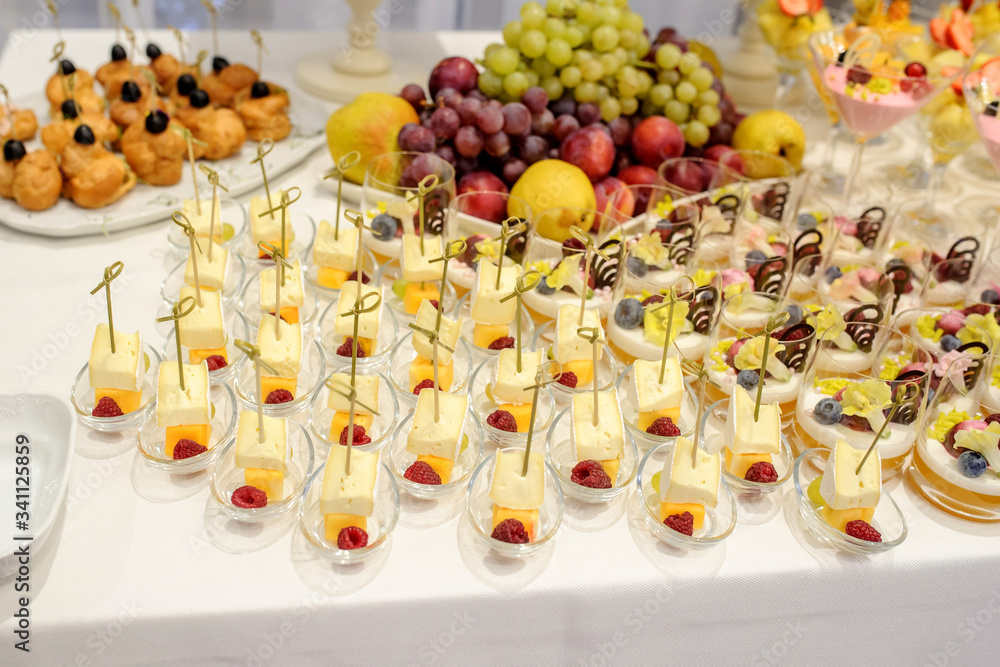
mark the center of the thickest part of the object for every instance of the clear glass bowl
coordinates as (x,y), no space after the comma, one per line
(304,228)
(151,438)
(392,271)
(399,369)
(383,424)
(479,511)
(561,456)
(299,461)
(606,372)
(719,520)
(388,333)
(483,405)
(311,274)
(463,309)
(83,398)
(380,524)
(399,459)
(310,379)
(888,519)
(234,224)
(236,328)
(713,424)
(232,281)
(250,303)
(630,412)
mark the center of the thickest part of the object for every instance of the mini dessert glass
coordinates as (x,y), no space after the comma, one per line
(311,274)
(83,398)
(310,378)
(383,424)
(403,355)
(302,226)
(629,400)
(390,277)
(385,341)
(480,354)
(560,453)
(234,225)
(236,328)
(250,303)
(713,425)
(483,404)
(232,282)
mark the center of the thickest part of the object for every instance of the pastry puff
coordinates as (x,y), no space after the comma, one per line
(21,124)
(114,74)
(225,84)
(94,177)
(127,109)
(32,180)
(221,130)
(57,134)
(155,152)
(83,93)
(265,116)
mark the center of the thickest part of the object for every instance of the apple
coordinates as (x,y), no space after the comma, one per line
(656,139)
(591,149)
(614,199)
(488,203)
(455,72)
(639,175)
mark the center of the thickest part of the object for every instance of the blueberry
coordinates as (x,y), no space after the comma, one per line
(219,63)
(131,92)
(949,342)
(992,108)
(384,226)
(990,296)
(806,221)
(833,273)
(13,150)
(971,464)
(636,266)
(156,122)
(84,135)
(186,84)
(755,257)
(748,379)
(199,98)
(259,89)
(69,110)
(544,288)
(629,314)
(794,315)
(118,53)
(827,412)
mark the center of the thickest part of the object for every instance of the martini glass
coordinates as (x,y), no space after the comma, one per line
(870,92)
(982,93)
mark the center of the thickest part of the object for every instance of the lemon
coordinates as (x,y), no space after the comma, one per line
(773,132)
(369,125)
(551,184)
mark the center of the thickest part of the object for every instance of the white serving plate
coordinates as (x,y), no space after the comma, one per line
(146,203)
(51,429)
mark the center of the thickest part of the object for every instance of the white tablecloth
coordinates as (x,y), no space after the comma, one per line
(126,580)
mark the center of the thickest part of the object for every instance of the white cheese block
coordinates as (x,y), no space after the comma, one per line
(841,487)
(335,252)
(202,328)
(690,475)
(124,368)
(368,323)
(202,222)
(292,295)
(210,274)
(486,306)
(284,355)
(417,266)
(512,491)
(743,435)
(606,440)
(176,406)
(349,494)
(652,394)
(251,452)
(570,346)
(442,438)
(366,389)
(267,227)
(448,334)
(509,386)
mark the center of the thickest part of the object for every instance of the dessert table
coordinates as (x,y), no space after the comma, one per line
(141,572)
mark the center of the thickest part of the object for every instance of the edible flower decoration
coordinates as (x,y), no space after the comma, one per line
(954,364)
(651,251)
(867,399)
(655,323)
(985,442)
(830,319)
(927,327)
(980,329)
(750,356)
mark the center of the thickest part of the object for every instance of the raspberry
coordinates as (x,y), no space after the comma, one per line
(502,343)
(352,537)
(215,362)
(511,531)
(249,497)
(652,298)
(856,423)
(423,384)
(862,530)
(106,407)
(762,471)
(364,277)
(503,421)
(421,472)
(682,523)
(664,426)
(591,474)
(568,379)
(435,303)
(185,449)
(345,348)
(279,396)
(360,437)
(995,417)
(976,309)
(572,245)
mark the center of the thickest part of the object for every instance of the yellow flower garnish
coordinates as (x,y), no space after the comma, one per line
(561,275)
(984,442)
(927,327)
(831,386)
(867,399)
(664,207)
(891,367)
(488,248)
(655,322)
(751,354)
(979,328)
(702,277)
(718,355)
(945,422)
(651,251)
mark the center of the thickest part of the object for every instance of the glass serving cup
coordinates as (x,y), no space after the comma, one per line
(236,328)
(560,453)
(930,326)
(391,186)
(311,274)
(476,216)
(951,275)
(299,460)
(982,91)
(250,303)
(483,405)
(479,510)
(300,247)
(232,282)
(383,424)
(555,258)
(380,524)
(718,212)
(858,233)
(888,519)
(719,520)
(884,358)
(648,273)
(744,316)
(399,460)
(310,379)
(848,285)
(390,276)
(234,225)
(83,397)
(713,424)
(479,354)
(403,355)
(385,341)
(630,411)
(773,186)
(763,237)
(151,438)
(606,373)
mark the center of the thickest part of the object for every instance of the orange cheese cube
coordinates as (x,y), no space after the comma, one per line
(198,356)
(582,368)
(611,467)
(331,278)
(128,401)
(340,421)
(697,511)
(417,292)
(334,523)
(840,518)
(271,482)
(521,414)
(484,334)
(423,369)
(199,433)
(441,466)
(738,464)
(289,314)
(269,383)
(646,419)
(277,244)
(527,517)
